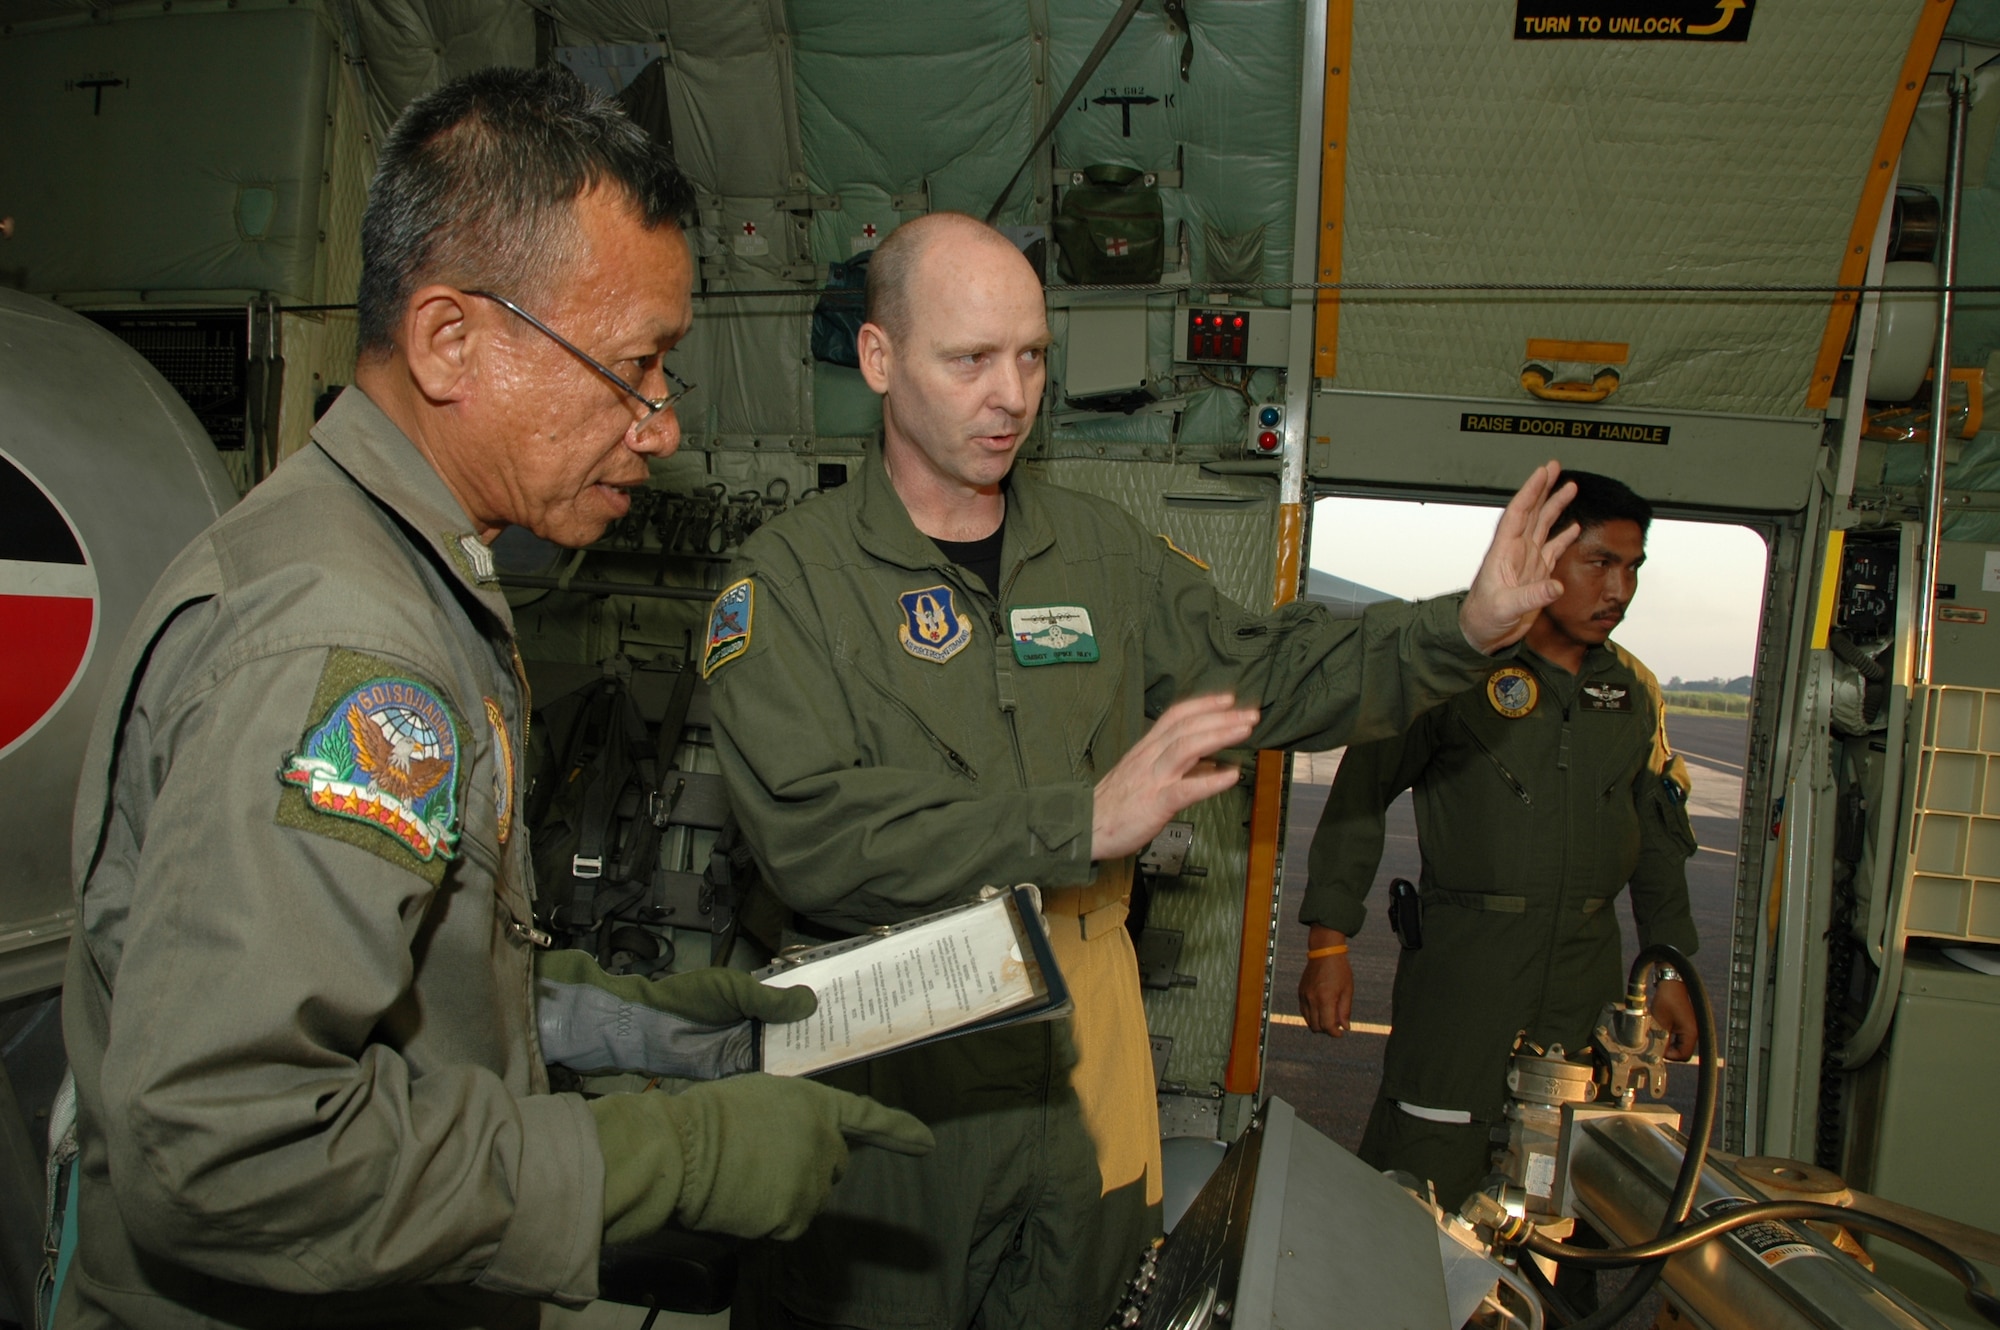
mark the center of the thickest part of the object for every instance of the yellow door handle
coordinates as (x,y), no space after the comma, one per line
(1536,379)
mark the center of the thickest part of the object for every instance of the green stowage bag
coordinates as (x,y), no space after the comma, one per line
(1110,228)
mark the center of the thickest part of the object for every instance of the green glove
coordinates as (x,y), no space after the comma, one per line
(693,1026)
(754,1155)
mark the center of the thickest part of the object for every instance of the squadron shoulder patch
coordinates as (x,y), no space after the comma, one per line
(503,768)
(1051,634)
(932,628)
(1183,553)
(729,626)
(1512,691)
(377,766)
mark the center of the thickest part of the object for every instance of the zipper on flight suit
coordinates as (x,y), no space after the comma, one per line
(1003,672)
(1562,868)
(1513,781)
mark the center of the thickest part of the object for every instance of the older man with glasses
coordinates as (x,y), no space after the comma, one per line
(306,1008)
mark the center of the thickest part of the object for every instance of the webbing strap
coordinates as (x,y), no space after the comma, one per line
(1105,42)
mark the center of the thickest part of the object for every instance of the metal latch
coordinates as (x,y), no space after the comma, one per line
(580,866)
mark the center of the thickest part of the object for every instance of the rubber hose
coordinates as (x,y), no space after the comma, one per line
(1681,1201)
(1844,649)
(1551,1297)
(1979,1292)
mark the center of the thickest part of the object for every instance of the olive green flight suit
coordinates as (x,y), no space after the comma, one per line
(876,781)
(309,1085)
(1531,821)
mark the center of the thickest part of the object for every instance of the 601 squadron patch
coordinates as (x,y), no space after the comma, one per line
(729,626)
(379,768)
(1512,691)
(932,628)
(1051,634)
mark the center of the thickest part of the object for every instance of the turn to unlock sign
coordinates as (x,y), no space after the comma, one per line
(1633,20)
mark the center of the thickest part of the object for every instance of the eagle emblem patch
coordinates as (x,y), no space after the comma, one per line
(932,628)
(384,755)
(1512,691)
(728,626)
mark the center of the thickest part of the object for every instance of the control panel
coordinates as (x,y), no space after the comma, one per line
(1248,335)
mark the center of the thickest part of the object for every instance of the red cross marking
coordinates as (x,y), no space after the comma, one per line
(749,228)
(869,230)
(1116,246)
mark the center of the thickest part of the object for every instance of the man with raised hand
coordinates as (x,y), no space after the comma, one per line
(952,673)
(302,1005)
(1539,797)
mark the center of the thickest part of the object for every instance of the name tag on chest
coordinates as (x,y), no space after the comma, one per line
(1051,634)
(1600,696)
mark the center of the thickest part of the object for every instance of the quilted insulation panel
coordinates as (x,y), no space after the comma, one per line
(1698,163)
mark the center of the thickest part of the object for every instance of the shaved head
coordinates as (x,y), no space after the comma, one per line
(956,343)
(892,272)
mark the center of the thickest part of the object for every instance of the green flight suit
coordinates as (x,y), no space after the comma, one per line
(1539,797)
(890,748)
(300,1003)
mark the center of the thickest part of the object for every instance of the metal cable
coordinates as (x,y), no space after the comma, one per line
(1388,288)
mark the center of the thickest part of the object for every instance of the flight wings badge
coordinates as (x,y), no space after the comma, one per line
(932,628)
(385,755)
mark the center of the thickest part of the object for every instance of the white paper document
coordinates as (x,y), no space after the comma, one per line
(916,983)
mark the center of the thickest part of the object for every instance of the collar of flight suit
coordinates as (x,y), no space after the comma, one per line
(375,453)
(883,528)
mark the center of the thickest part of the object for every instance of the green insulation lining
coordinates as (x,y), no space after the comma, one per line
(1640,171)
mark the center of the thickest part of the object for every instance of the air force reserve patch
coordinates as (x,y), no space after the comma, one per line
(932,628)
(378,766)
(729,626)
(1051,634)
(1512,691)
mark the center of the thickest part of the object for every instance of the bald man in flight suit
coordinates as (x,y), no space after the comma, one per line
(951,673)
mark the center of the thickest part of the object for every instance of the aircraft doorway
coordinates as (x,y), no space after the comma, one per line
(1694,621)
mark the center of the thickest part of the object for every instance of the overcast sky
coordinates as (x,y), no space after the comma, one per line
(1699,594)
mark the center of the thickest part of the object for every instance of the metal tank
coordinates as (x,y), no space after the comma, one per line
(104,476)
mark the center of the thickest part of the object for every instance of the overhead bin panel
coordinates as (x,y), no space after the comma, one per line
(1475,157)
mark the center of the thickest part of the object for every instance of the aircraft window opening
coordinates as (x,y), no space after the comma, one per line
(1695,620)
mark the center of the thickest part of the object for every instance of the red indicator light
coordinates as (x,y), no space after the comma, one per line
(1238,322)
(1267,442)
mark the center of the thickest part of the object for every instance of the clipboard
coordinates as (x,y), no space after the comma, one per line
(919,982)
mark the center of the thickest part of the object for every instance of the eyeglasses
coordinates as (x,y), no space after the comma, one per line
(654,405)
